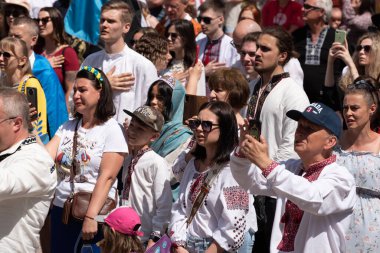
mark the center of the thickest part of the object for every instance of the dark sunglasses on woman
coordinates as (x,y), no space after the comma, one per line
(6,55)
(44,20)
(206,125)
(366,48)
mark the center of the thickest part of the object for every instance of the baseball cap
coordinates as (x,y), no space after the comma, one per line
(124,220)
(23,3)
(321,115)
(149,115)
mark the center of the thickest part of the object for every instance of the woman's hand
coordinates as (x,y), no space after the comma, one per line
(181,76)
(339,51)
(126,124)
(196,71)
(32,112)
(89,229)
(56,61)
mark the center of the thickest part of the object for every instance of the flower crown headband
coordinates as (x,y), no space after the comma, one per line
(96,73)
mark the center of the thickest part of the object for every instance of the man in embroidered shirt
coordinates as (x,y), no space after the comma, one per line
(130,73)
(313,42)
(215,50)
(315,196)
(274,94)
(27,177)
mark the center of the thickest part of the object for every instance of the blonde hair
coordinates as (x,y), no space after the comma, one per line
(126,12)
(116,242)
(19,49)
(374,65)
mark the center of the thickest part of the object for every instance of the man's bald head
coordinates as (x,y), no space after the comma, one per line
(243,28)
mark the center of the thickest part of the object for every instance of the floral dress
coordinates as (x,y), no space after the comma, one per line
(364,231)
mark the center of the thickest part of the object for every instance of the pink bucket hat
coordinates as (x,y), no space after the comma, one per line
(124,220)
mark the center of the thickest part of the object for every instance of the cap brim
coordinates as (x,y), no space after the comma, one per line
(294,115)
(128,112)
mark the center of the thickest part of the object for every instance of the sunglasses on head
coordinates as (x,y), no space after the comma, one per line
(206,125)
(362,85)
(14,11)
(206,20)
(311,7)
(366,48)
(5,54)
(44,20)
(173,36)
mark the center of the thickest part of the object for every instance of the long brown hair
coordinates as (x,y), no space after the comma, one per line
(115,242)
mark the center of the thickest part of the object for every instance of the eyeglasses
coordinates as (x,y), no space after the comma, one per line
(15,11)
(44,20)
(6,55)
(366,48)
(206,125)
(1,122)
(311,7)
(250,54)
(173,36)
(206,20)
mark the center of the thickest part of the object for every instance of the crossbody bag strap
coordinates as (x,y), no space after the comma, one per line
(74,154)
(199,200)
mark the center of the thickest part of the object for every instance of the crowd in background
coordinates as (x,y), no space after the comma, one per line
(210,126)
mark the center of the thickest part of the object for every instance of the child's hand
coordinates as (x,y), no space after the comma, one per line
(126,124)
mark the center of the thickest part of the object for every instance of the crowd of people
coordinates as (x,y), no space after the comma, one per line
(112,148)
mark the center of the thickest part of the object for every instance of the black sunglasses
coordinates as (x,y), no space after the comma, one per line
(206,125)
(308,7)
(206,20)
(15,11)
(44,20)
(366,48)
(5,54)
(244,53)
(173,36)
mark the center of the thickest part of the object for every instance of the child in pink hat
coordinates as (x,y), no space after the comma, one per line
(121,232)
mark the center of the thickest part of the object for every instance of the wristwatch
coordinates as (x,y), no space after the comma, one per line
(154,238)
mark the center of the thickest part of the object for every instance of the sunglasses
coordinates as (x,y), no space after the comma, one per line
(14,12)
(366,48)
(311,7)
(206,125)
(206,20)
(6,55)
(173,36)
(250,54)
(44,20)
(362,85)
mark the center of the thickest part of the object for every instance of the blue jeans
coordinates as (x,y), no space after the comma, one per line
(249,239)
(200,245)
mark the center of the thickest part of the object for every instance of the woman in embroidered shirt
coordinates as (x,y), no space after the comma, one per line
(359,152)
(99,154)
(219,220)
(17,73)
(62,57)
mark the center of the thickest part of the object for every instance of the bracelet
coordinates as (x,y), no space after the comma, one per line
(88,217)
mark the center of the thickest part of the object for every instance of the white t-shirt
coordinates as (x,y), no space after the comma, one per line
(127,60)
(150,193)
(92,143)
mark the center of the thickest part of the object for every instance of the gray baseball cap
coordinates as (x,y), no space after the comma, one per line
(149,115)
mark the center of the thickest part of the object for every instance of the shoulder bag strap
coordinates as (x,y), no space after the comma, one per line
(211,176)
(74,153)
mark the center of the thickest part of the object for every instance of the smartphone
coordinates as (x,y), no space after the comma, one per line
(340,36)
(255,128)
(31,94)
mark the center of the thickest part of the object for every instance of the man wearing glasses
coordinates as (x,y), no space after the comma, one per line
(27,175)
(215,50)
(313,42)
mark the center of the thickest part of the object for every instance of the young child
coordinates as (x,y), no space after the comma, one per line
(146,175)
(121,231)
